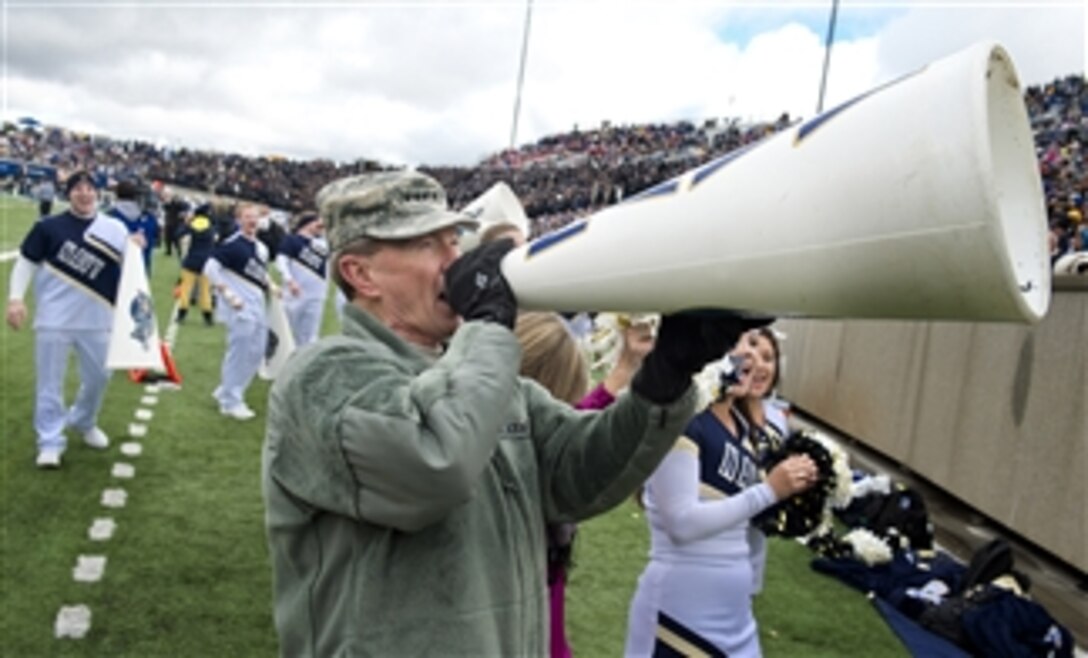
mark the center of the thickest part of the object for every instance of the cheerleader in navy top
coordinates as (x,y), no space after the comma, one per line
(74,260)
(767,419)
(238,271)
(303,265)
(695,595)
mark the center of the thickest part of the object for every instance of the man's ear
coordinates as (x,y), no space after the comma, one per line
(358,271)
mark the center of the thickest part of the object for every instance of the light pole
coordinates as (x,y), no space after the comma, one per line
(521,73)
(827,54)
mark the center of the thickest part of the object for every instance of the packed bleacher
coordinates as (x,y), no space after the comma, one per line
(1059,117)
(558,178)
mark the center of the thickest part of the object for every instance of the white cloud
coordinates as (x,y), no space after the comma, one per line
(1045,40)
(434,83)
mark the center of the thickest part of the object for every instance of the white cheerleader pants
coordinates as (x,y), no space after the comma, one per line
(247,335)
(51,350)
(304,315)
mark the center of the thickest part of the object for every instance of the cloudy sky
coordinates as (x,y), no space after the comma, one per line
(433,82)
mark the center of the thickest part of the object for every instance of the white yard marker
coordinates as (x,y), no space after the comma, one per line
(114,497)
(73,621)
(123,471)
(102,529)
(89,568)
(149,400)
(136,430)
(131,449)
(144,414)
(152,389)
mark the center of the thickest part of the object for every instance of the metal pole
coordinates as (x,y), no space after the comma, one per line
(827,54)
(521,73)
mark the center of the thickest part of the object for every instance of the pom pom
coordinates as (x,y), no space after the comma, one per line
(809,512)
(868,547)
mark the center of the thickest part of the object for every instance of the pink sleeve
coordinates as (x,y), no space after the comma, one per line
(598,398)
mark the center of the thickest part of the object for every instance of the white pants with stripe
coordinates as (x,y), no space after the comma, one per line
(247,336)
(51,351)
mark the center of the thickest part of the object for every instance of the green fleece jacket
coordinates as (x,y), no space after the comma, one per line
(406,495)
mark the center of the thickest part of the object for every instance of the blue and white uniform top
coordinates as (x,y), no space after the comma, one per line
(78,270)
(699,500)
(304,260)
(241,264)
(765,440)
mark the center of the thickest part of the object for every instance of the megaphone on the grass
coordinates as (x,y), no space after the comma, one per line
(919,199)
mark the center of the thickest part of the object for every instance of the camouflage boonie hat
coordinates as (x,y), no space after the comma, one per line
(390,205)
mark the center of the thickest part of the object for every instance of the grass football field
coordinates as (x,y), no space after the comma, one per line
(187,569)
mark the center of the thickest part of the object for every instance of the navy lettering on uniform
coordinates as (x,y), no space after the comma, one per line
(306,252)
(725,463)
(82,261)
(239,255)
(64,244)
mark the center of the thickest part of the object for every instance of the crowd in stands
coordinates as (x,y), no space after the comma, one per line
(559,177)
(276,182)
(1059,117)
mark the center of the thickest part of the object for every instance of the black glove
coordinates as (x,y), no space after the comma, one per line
(685,343)
(476,289)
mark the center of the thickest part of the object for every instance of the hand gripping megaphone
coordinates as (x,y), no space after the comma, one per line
(920,199)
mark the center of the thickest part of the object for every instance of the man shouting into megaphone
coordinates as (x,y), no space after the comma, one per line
(408,471)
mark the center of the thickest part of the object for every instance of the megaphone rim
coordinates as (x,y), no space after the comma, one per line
(1016,189)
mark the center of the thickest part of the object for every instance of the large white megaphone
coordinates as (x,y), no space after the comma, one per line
(498,205)
(920,199)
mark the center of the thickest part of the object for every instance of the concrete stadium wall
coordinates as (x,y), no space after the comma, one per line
(995,414)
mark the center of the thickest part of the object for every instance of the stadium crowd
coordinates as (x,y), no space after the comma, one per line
(1059,117)
(557,178)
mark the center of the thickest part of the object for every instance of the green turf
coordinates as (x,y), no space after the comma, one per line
(187,571)
(16,216)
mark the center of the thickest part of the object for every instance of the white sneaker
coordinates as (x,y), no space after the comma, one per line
(49,458)
(96,438)
(239,412)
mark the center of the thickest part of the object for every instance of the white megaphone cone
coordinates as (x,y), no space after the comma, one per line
(134,338)
(497,206)
(920,199)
